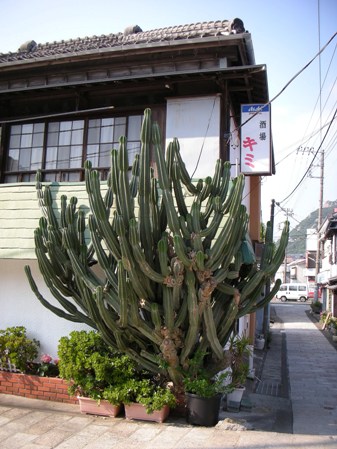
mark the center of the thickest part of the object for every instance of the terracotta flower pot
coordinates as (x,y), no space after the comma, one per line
(93,407)
(138,411)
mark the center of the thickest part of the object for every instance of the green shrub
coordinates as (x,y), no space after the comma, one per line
(17,349)
(146,391)
(239,354)
(198,380)
(90,365)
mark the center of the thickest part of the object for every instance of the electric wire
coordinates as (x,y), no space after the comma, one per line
(307,171)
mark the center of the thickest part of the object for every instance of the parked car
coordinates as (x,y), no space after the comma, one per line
(293,292)
(311,294)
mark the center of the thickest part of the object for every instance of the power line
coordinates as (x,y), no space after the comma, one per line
(311,163)
(289,82)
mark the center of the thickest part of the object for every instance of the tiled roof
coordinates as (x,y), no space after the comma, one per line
(131,36)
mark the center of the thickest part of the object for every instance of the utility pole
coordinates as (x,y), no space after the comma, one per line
(320,208)
(288,212)
(319,222)
(310,150)
(291,213)
(266,310)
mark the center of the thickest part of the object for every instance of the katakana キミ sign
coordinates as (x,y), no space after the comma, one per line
(255,139)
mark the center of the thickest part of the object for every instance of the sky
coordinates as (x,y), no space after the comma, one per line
(286,36)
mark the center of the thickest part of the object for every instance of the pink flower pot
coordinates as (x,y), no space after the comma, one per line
(93,407)
(138,411)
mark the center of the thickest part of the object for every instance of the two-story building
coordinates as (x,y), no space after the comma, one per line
(62,103)
(327,275)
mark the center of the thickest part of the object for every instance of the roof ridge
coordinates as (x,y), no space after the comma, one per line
(134,35)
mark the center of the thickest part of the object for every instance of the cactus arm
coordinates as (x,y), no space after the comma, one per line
(145,187)
(48,201)
(226,175)
(103,224)
(126,201)
(225,288)
(113,175)
(156,317)
(123,295)
(184,176)
(140,283)
(164,184)
(195,214)
(184,229)
(280,252)
(264,302)
(163,256)
(168,307)
(193,315)
(206,190)
(83,272)
(254,283)
(108,314)
(211,230)
(181,251)
(221,243)
(102,257)
(178,193)
(217,177)
(139,255)
(211,332)
(134,177)
(76,316)
(155,212)
(48,274)
(181,315)
(229,318)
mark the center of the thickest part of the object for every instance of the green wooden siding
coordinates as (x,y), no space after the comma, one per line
(20,213)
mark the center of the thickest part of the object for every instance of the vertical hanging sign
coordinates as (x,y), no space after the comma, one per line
(255,139)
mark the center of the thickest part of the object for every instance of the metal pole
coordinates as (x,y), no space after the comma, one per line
(319,222)
(266,310)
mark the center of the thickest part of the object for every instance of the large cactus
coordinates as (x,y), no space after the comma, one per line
(178,268)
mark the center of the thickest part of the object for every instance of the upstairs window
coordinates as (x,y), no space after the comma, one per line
(59,148)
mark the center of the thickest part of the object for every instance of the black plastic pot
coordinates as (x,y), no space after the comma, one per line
(202,411)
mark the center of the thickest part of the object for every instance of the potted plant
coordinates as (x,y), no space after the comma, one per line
(145,397)
(47,367)
(93,369)
(316,306)
(17,351)
(333,327)
(239,350)
(203,392)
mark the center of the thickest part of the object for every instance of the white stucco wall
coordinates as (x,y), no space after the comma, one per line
(20,307)
(196,124)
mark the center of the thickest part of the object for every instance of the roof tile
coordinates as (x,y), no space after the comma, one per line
(178,32)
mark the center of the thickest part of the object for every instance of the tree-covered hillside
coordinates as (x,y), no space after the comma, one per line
(297,236)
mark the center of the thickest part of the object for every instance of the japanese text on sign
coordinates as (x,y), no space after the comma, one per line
(255,139)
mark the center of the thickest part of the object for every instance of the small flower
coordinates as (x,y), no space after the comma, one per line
(46,358)
(56,361)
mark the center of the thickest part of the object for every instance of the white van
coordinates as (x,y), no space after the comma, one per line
(293,292)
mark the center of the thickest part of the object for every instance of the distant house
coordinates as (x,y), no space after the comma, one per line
(327,275)
(64,102)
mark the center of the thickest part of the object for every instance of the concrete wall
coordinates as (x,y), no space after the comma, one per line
(20,307)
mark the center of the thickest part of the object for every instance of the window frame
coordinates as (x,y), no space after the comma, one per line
(63,174)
